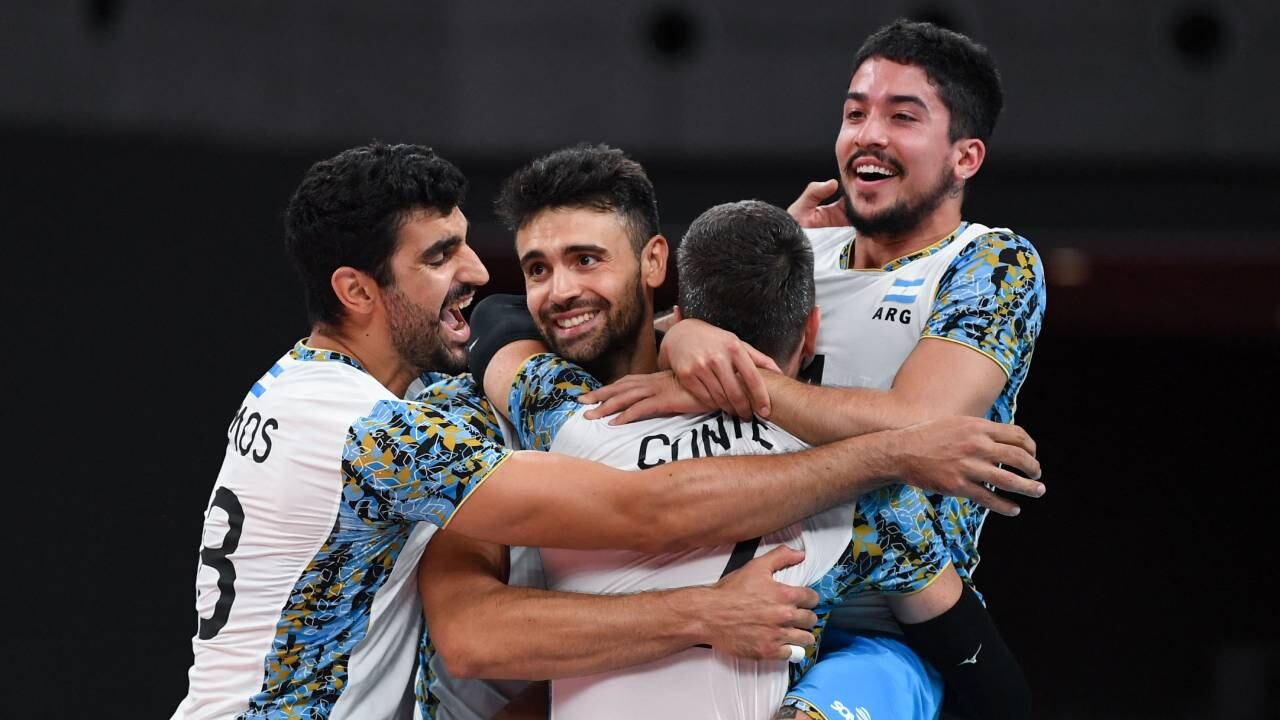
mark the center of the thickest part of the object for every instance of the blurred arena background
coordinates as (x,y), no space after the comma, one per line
(149,148)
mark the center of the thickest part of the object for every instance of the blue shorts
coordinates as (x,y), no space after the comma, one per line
(867,677)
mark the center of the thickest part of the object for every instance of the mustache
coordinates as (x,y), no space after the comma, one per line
(878,156)
(578,304)
(457,293)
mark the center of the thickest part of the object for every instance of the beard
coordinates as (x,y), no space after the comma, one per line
(617,337)
(415,334)
(903,216)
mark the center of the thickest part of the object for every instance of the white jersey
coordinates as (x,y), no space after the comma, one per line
(306,589)
(698,682)
(979,287)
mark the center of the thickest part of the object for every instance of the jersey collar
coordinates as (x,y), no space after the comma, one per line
(305,353)
(846,254)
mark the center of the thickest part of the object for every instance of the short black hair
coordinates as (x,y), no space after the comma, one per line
(747,267)
(594,177)
(963,72)
(349,208)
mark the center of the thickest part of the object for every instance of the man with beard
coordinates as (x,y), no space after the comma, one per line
(924,315)
(333,483)
(586,235)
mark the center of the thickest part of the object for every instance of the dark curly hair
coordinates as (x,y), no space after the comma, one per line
(348,209)
(747,267)
(594,177)
(963,72)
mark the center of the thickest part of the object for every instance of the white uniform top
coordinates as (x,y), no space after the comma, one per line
(306,590)
(979,287)
(698,682)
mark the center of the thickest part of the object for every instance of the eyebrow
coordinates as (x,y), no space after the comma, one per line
(440,246)
(893,99)
(581,248)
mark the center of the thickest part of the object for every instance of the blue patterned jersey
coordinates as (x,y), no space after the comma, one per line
(306,594)
(979,287)
(458,396)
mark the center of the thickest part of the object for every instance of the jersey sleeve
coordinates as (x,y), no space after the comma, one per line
(897,546)
(460,395)
(409,461)
(992,299)
(544,396)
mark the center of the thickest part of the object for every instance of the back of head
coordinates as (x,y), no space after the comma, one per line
(348,209)
(962,71)
(593,177)
(747,267)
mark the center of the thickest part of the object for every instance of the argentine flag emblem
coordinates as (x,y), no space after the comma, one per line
(904,291)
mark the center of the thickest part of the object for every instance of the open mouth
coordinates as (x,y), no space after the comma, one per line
(451,315)
(870,171)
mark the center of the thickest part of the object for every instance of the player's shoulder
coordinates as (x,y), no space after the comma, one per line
(317,383)
(548,376)
(997,243)
(828,237)
(997,250)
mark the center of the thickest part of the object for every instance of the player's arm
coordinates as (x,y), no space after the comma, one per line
(544,499)
(484,628)
(505,336)
(938,379)
(983,324)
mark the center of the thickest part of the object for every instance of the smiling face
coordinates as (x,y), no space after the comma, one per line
(897,162)
(434,275)
(583,282)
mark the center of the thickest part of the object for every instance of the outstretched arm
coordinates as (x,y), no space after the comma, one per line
(549,500)
(939,378)
(485,628)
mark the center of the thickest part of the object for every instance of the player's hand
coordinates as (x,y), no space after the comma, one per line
(958,456)
(810,212)
(753,616)
(717,368)
(640,397)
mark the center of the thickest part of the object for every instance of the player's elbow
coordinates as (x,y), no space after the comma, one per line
(466,654)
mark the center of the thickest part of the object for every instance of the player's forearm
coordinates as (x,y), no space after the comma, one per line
(524,633)
(820,415)
(727,499)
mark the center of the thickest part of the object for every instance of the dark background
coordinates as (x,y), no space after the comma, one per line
(149,149)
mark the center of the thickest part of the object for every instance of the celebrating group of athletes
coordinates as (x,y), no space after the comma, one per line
(766,505)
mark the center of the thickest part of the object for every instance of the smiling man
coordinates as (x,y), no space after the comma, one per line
(924,315)
(333,483)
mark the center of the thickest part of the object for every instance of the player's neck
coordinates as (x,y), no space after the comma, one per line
(641,359)
(379,359)
(876,251)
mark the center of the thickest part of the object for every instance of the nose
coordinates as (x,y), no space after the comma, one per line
(872,132)
(473,270)
(564,287)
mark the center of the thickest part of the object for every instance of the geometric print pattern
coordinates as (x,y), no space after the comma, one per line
(544,396)
(403,463)
(991,298)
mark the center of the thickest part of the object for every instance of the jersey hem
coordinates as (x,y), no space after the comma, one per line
(1007,372)
(924,587)
(476,487)
(809,706)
